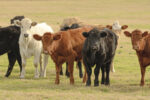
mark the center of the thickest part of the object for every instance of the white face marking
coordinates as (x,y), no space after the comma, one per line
(25,25)
(116,27)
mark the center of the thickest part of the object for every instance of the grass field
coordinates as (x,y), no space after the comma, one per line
(124,82)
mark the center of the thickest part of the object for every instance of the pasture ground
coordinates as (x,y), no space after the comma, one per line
(124,82)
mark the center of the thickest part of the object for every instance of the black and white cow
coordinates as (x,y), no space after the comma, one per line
(16,18)
(99,49)
(9,37)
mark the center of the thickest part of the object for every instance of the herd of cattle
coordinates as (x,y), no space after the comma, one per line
(75,41)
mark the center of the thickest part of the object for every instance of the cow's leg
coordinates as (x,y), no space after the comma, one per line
(67,72)
(12,59)
(89,72)
(112,67)
(80,69)
(103,74)
(85,75)
(142,75)
(36,61)
(61,71)
(57,73)
(41,69)
(107,73)
(96,72)
(45,65)
(70,68)
(23,67)
(19,62)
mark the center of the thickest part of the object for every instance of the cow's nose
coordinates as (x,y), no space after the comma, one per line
(26,35)
(94,48)
(45,52)
(135,47)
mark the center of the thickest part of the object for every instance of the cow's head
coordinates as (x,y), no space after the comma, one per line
(116,27)
(95,39)
(25,24)
(137,39)
(73,26)
(47,40)
(16,18)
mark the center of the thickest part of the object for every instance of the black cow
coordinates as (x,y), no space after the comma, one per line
(99,49)
(9,37)
(73,26)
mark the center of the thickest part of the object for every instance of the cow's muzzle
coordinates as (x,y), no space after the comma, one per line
(94,48)
(26,35)
(45,52)
(135,47)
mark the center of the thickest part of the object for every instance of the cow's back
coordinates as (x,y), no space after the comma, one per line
(71,41)
(41,29)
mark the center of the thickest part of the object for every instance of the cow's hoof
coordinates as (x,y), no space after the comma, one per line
(22,77)
(102,82)
(61,73)
(56,82)
(6,76)
(43,75)
(81,75)
(67,74)
(142,84)
(113,70)
(72,81)
(36,76)
(96,83)
(107,83)
(88,83)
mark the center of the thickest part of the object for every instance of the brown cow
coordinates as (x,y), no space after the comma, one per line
(64,46)
(70,23)
(141,44)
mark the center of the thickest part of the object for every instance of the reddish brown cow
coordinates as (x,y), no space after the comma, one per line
(141,44)
(64,46)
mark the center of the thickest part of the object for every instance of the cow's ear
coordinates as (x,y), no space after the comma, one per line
(145,34)
(124,27)
(65,28)
(11,21)
(128,34)
(103,34)
(33,23)
(57,37)
(37,37)
(85,34)
(17,23)
(109,26)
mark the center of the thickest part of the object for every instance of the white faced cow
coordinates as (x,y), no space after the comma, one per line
(116,28)
(30,47)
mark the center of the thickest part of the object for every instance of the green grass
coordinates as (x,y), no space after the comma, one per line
(124,82)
